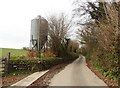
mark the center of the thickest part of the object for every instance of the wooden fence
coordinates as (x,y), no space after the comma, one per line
(4,65)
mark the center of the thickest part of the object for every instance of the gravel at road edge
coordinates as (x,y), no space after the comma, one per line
(45,79)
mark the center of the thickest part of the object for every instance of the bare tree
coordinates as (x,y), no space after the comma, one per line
(58,31)
(73,46)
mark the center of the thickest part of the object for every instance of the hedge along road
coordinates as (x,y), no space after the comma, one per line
(77,74)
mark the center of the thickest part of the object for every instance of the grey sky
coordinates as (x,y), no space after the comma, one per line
(16,15)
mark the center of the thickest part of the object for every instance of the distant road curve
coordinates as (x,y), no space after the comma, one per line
(77,74)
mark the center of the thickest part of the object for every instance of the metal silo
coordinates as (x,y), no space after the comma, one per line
(39,32)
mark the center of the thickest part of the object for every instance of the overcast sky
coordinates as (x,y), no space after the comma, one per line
(16,15)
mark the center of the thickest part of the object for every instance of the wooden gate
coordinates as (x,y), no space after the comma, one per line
(4,65)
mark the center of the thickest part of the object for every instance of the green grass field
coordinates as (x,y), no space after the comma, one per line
(13,52)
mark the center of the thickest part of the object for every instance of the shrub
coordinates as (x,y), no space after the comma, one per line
(38,64)
(33,64)
(31,54)
(71,55)
(49,54)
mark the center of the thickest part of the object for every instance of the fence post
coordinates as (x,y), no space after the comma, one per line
(7,63)
(8,58)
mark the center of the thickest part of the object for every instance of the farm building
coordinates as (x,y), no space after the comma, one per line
(39,33)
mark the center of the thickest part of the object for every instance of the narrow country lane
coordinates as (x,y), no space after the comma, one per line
(76,74)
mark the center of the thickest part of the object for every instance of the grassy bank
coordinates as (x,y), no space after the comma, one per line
(14,52)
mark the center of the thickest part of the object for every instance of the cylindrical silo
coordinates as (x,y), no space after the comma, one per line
(39,32)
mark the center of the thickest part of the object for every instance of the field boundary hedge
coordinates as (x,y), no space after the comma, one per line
(39,64)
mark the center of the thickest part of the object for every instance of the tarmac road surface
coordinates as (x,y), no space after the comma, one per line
(77,74)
